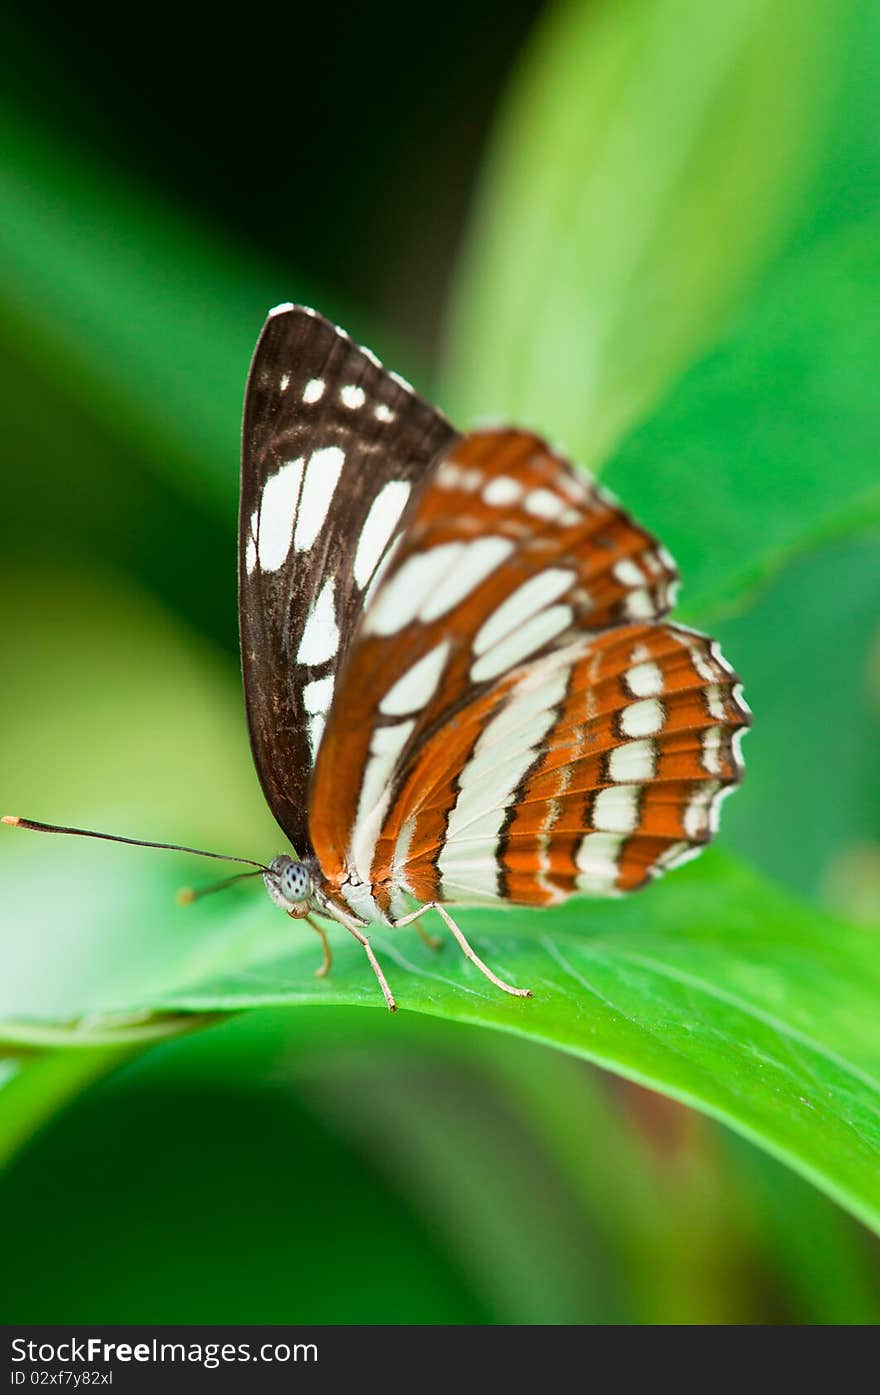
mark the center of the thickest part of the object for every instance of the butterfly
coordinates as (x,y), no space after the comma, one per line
(460,684)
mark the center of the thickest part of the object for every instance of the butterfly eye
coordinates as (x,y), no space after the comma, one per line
(296,882)
(288,883)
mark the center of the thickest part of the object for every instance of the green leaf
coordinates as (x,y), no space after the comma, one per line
(648,156)
(827,606)
(770,445)
(715,989)
(712,986)
(32,1090)
(238,1152)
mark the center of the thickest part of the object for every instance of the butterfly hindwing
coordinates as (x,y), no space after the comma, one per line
(508,556)
(591,771)
(334,447)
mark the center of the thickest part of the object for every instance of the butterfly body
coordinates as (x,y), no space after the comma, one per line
(460,683)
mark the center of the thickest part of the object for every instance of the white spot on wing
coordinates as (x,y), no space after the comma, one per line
(418,685)
(397,603)
(644,680)
(677,854)
(313,391)
(448,475)
(391,738)
(287,305)
(479,560)
(521,604)
(643,718)
(277,509)
(320,637)
(543,503)
(597,862)
(633,763)
(384,515)
(316,731)
(401,850)
(506,749)
(318,695)
(576,490)
(699,814)
(712,750)
(714,702)
(736,742)
(321,477)
(639,605)
(693,642)
(352,396)
(616,809)
(502,490)
(452,476)
(628,573)
(385,747)
(430,583)
(359,897)
(250,556)
(522,642)
(284,382)
(382,412)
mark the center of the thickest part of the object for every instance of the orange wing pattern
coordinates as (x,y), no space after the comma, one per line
(591,772)
(518,594)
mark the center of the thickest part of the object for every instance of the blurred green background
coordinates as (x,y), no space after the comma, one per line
(645,227)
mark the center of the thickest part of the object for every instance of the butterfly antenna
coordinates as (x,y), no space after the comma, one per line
(187,894)
(17,822)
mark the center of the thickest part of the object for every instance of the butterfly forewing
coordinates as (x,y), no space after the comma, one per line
(508,556)
(334,451)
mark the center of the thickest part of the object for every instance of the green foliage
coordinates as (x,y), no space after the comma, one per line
(645,160)
(325,1165)
(808,644)
(104,287)
(779,425)
(712,986)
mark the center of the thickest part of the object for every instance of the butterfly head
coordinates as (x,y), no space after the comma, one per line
(289,883)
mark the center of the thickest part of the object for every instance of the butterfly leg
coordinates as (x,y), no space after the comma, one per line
(466,949)
(328,957)
(375,966)
(432,941)
(353,928)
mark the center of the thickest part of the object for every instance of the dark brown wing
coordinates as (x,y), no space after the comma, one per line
(334,447)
